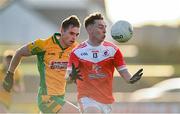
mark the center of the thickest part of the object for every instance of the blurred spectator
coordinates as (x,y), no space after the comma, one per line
(6,97)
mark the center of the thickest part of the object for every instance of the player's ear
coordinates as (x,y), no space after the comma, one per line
(89,28)
(62,30)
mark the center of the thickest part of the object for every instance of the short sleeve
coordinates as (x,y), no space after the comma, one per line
(119,61)
(36,47)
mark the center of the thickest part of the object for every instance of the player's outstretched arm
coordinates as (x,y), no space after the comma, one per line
(8,80)
(129,78)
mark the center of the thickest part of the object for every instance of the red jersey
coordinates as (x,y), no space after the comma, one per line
(96,66)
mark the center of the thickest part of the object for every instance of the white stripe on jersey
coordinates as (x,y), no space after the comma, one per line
(96,54)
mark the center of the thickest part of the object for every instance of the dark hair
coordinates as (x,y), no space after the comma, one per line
(91,18)
(72,20)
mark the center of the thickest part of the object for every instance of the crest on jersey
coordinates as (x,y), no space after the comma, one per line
(106,53)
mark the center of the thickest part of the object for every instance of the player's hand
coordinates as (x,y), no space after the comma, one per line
(8,81)
(74,75)
(137,76)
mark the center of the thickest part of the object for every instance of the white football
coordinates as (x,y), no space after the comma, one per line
(122,31)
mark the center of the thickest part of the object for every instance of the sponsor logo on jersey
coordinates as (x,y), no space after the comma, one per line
(58,65)
(84,54)
(96,76)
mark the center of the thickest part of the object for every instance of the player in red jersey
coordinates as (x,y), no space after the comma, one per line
(93,62)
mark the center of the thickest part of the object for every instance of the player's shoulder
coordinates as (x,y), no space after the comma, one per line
(109,44)
(46,41)
(37,45)
(39,41)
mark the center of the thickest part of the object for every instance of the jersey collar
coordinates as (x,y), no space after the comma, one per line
(55,40)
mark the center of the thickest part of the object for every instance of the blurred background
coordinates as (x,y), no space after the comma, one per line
(155,47)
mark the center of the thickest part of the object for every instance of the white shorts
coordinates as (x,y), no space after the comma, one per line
(86,102)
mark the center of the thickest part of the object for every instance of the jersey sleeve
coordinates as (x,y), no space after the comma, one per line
(36,47)
(119,61)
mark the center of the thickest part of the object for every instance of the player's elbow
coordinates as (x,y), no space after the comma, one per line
(23,51)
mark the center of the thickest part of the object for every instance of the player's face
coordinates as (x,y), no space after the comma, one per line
(70,35)
(99,30)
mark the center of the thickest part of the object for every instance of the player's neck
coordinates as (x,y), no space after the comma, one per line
(60,39)
(93,43)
